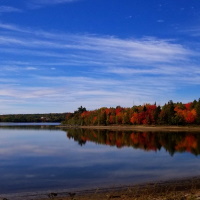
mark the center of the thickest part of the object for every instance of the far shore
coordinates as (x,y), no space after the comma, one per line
(138,127)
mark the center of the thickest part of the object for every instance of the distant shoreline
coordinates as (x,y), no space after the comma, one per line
(138,128)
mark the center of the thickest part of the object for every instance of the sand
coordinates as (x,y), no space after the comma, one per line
(139,128)
(184,189)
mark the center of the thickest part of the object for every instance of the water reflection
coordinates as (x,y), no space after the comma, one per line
(172,142)
(33,126)
(44,159)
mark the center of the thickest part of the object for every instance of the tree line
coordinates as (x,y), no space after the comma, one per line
(50,117)
(148,114)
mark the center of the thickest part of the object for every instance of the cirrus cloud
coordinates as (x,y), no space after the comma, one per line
(9,9)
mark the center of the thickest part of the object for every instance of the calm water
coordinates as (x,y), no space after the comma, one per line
(40,157)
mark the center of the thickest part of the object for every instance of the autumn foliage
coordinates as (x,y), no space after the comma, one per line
(169,114)
(148,141)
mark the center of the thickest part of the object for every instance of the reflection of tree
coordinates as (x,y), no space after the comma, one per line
(30,127)
(81,142)
(148,141)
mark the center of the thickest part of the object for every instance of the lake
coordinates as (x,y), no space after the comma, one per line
(40,157)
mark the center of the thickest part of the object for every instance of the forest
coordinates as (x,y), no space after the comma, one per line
(148,114)
(51,117)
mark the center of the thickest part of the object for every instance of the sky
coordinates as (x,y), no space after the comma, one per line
(58,55)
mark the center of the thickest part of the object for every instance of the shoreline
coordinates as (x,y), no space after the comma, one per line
(137,128)
(179,189)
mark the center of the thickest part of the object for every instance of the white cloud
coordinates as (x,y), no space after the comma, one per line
(30,92)
(8,9)
(91,70)
(16,68)
(31,68)
(193,31)
(52,1)
(160,21)
(91,49)
(36,4)
(158,70)
(13,27)
(136,71)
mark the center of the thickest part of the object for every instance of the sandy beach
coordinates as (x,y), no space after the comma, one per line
(139,128)
(184,189)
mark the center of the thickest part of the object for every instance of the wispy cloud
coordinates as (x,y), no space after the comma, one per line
(164,70)
(8,9)
(191,32)
(34,4)
(160,21)
(53,1)
(15,68)
(48,68)
(28,92)
(146,50)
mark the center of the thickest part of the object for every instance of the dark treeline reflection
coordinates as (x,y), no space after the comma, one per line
(172,142)
(29,127)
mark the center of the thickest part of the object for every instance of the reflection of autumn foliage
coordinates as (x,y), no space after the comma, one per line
(148,141)
(187,144)
(170,114)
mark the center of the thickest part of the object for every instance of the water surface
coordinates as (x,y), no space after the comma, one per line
(38,158)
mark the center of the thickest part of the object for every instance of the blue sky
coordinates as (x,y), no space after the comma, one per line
(56,55)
